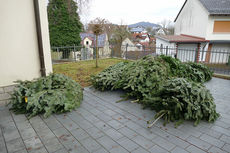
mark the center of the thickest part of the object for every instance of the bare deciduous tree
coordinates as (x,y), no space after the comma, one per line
(97,27)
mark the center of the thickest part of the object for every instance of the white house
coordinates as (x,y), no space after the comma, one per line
(24,43)
(160,31)
(208,20)
(138,29)
(89,42)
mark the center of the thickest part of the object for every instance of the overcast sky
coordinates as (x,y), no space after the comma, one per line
(132,11)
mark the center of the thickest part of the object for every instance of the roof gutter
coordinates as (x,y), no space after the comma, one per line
(39,37)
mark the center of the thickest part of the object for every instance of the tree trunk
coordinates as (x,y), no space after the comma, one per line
(96,51)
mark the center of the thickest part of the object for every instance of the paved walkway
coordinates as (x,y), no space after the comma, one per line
(100,125)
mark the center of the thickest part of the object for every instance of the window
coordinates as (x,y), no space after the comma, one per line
(221,26)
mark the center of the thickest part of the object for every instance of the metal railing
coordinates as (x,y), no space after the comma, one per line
(217,60)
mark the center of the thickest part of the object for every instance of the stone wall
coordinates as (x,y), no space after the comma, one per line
(5,94)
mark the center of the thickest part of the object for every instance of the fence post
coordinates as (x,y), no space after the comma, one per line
(74,53)
(58,53)
(126,50)
(161,49)
(167,50)
(197,54)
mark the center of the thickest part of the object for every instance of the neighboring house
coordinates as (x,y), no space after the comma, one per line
(205,20)
(141,37)
(89,42)
(24,38)
(184,46)
(138,29)
(161,31)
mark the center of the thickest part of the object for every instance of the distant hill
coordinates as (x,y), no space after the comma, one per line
(143,24)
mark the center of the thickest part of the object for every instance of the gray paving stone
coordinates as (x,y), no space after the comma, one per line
(163,143)
(120,118)
(145,143)
(95,132)
(92,118)
(23,125)
(63,150)
(110,112)
(107,142)
(39,150)
(199,143)
(216,150)
(226,147)
(84,124)
(4,96)
(27,133)
(102,150)
(63,135)
(15,145)
(104,117)
(102,126)
(53,145)
(10,133)
(225,138)
(71,146)
(210,132)
(115,124)
(127,132)
(132,125)
(221,130)
(178,150)
(33,143)
(211,140)
(146,133)
(54,124)
(193,149)
(118,149)
(23,151)
(9,88)
(140,150)
(90,144)
(46,135)
(79,134)
(128,144)
(39,126)
(157,149)
(2,145)
(115,135)
(19,118)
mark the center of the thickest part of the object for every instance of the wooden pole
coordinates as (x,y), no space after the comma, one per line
(96,51)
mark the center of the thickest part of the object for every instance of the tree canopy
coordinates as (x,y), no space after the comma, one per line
(64,23)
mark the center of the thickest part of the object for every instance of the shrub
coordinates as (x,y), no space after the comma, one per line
(55,93)
(180,99)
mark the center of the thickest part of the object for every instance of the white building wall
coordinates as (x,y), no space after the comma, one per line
(216,36)
(164,44)
(193,19)
(19,57)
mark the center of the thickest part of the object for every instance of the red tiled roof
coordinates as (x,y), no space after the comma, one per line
(182,38)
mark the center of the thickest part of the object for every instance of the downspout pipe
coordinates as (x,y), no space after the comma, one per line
(39,37)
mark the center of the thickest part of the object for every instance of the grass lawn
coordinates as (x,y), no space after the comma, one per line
(81,71)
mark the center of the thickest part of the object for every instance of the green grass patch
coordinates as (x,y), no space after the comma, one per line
(81,71)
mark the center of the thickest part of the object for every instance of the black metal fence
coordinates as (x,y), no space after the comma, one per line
(217,60)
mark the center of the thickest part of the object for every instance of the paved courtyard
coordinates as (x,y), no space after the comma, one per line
(101,125)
